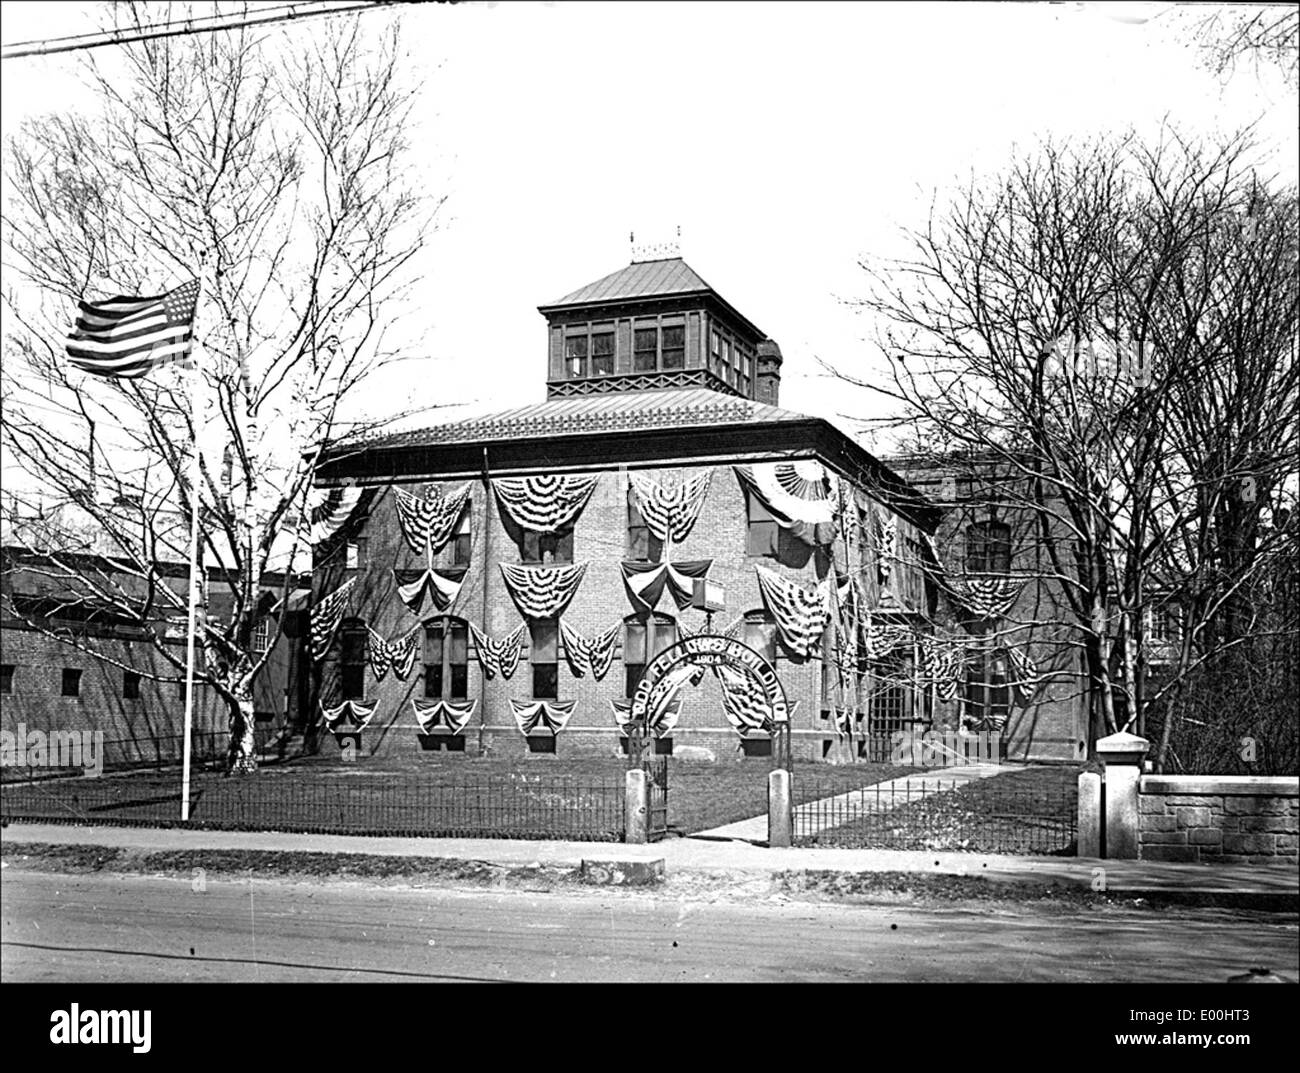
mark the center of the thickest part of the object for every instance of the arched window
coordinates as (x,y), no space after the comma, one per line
(446,659)
(352,659)
(759,633)
(988,548)
(644,637)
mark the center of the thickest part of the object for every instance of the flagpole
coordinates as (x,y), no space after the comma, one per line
(195,477)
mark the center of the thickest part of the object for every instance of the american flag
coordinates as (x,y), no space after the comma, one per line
(127,337)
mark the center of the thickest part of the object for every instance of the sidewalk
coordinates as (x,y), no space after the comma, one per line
(1235,884)
(816,816)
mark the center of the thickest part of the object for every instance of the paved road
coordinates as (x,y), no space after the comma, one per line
(113,927)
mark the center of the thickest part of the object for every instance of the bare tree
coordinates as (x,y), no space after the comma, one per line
(278,168)
(1227,34)
(1083,326)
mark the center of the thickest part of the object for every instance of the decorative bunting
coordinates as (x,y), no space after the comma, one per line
(427,524)
(328,510)
(325,618)
(942,665)
(542,591)
(595,654)
(744,701)
(670,511)
(670,712)
(800,496)
(433,714)
(984,597)
(664,692)
(886,548)
(498,657)
(801,616)
(546,715)
(879,641)
(398,655)
(350,715)
(441,589)
(543,504)
(646,582)
(1025,671)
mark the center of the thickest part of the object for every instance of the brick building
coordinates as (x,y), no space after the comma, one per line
(133,695)
(569,534)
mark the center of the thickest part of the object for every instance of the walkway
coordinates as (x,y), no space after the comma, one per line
(816,816)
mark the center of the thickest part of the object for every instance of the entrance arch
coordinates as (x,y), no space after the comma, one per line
(705,650)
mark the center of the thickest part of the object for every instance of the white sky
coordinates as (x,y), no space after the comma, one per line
(786,140)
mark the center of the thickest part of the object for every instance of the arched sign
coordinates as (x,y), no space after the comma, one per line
(711,650)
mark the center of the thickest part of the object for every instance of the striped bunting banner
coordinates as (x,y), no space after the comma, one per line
(125,338)
(801,615)
(670,511)
(543,504)
(498,657)
(546,715)
(542,592)
(399,655)
(594,654)
(350,715)
(433,714)
(325,618)
(428,523)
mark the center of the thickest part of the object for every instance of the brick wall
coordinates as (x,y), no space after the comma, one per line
(600,540)
(1229,819)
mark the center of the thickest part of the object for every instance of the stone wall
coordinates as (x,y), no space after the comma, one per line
(1229,819)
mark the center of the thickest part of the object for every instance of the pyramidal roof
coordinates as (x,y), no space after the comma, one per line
(640,279)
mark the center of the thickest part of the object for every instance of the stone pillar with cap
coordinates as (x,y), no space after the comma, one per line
(1122,754)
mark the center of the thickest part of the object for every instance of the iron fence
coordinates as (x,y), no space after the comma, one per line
(465,805)
(930,814)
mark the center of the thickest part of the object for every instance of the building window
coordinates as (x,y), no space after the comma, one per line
(130,685)
(1163,625)
(6,677)
(645,350)
(764,534)
(602,354)
(988,700)
(356,553)
(260,640)
(543,654)
(71,682)
(759,632)
(889,703)
(674,348)
(446,659)
(643,639)
(462,543)
(642,545)
(988,548)
(575,355)
(352,662)
(547,548)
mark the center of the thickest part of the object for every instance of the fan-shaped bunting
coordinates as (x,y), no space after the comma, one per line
(328,510)
(984,597)
(441,589)
(543,504)
(350,715)
(594,654)
(399,655)
(801,615)
(1024,671)
(670,510)
(801,496)
(646,582)
(542,592)
(498,657)
(326,616)
(942,664)
(545,715)
(428,523)
(435,714)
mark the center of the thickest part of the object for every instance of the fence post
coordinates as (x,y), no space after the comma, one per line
(636,806)
(1090,814)
(1122,754)
(780,815)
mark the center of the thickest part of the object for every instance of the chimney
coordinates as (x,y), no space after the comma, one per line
(768,379)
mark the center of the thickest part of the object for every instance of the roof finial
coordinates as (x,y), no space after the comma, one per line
(657,251)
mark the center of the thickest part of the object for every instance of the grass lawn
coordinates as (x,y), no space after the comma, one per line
(1029,810)
(430,793)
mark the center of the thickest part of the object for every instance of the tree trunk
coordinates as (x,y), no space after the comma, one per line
(241,759)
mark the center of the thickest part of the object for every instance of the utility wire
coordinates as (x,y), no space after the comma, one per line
(178,27)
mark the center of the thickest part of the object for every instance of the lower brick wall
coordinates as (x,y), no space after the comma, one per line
(1225,819)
